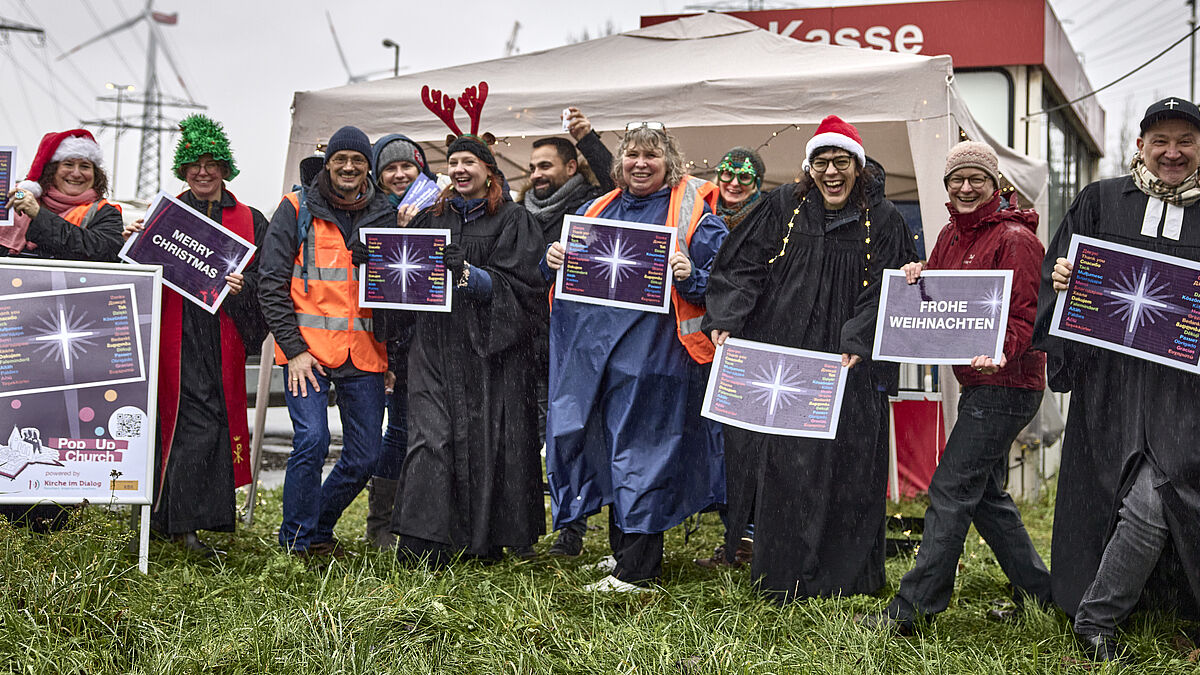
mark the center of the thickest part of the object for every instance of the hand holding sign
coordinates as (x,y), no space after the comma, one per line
(196,253)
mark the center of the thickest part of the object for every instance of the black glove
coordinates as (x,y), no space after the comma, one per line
(358,253)
(455,258)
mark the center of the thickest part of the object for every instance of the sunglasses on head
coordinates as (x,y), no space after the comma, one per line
(653,126)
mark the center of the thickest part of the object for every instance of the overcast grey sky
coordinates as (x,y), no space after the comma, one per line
(245,59)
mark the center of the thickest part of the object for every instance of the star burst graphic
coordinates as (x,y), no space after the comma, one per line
(65,337)
(404,266)
(1139,299)
(777,387)
(994,300)
(230,263)
(614,259)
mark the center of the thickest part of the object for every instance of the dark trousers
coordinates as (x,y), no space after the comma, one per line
(1129,557)
(639,556)
(967,487)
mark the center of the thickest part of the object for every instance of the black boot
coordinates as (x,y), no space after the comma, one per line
(381,495)
(570,540)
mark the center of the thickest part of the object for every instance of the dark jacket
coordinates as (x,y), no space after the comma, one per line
(998,237)
(57,238)
(278,253)
(600,160)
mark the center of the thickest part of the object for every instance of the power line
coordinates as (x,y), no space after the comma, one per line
(83,79)
(125,17)
(38,81)
(1100,13)
(119,52)
(1097,91)
(8,120)
(28,104)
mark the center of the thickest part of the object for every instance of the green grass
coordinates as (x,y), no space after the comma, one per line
(73,602)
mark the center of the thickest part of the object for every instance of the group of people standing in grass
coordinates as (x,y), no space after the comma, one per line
(615,394)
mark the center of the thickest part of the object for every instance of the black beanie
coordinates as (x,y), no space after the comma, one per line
(348,138)
(476,147)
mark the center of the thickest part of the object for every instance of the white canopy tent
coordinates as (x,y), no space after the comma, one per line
(714,80)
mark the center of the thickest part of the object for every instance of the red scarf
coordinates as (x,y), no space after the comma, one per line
(240,220)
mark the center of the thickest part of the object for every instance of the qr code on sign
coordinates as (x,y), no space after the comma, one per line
(126,425)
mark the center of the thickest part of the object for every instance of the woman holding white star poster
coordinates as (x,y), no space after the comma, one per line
(803,270)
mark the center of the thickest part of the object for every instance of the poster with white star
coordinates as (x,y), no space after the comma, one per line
(616,263)
(78,377)
(948,317)
(196,252)
(1133,301)
(405,269)
(775,390)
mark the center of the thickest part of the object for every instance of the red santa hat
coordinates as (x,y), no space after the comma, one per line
(55,147)
(835,133)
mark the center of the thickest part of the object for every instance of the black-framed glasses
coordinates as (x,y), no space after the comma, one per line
(357,161)
(975,181)
(743,177)
(653,126)
(841,163)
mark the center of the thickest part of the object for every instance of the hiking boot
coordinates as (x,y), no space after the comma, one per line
(883,623)
(332,548)
(1101,647)
(743,555)
(569,542)
(191,542)
(522,552)
(381,495)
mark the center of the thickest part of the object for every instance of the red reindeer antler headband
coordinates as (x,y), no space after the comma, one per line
(471,100)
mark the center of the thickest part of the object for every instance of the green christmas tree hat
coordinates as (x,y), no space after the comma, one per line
(202,136)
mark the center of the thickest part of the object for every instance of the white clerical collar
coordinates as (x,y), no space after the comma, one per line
(1154,215)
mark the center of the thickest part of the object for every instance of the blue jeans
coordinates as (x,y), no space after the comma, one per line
(311,508)
(967,487)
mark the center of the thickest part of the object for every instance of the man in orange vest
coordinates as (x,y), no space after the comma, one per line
(309,298)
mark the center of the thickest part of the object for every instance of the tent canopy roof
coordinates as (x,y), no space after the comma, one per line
(714,80)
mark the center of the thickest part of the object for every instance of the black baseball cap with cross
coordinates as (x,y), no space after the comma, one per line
(1169,108)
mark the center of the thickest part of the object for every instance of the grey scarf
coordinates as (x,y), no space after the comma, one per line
(543,209)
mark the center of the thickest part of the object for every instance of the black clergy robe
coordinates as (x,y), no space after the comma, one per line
(1123,411)
(197,489)
(472,479)
(818,505)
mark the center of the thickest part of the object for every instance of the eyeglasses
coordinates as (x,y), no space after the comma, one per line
(357,162)
(653,126)
(841,163)
(207,167)
(975,181)
(743,177)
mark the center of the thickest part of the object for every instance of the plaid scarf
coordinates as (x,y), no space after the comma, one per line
(1185,194)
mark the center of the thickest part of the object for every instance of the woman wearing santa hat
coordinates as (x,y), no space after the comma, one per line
(60,207)
(803,270)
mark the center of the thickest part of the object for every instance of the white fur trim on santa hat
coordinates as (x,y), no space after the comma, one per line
(78,146)
(830,139)
(32,187)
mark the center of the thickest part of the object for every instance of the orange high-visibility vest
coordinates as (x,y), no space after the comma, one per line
(683,213)
(82,215)
(330,320)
